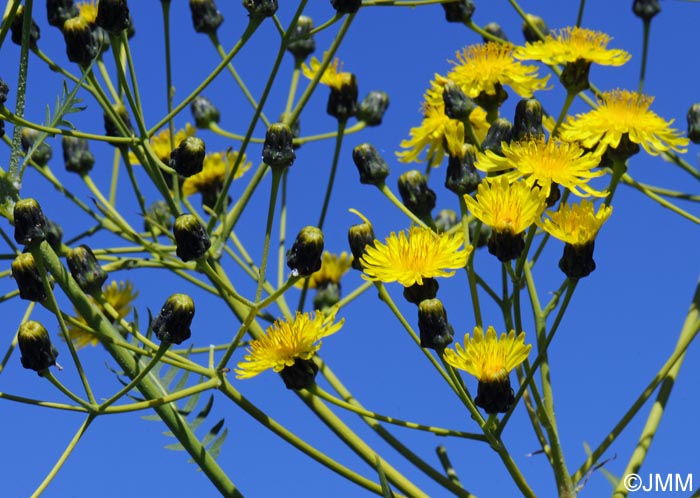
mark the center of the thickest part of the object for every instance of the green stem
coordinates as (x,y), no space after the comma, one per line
(645,52)
(570,96)
(276,177)
(394,200)
(334,168)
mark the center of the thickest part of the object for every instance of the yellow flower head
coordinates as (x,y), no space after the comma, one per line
(333,76)
(481,67)
(575,224)
(487,357)
(542,163)
(285,341)
(161,143)
(214,171)
(333,267)
(622,112)
(410,259)
(120,296)
(88,10)
(506,207)
(571,45)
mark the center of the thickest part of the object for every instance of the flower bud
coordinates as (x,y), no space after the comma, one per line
(435,331)
(496,396)
(480,238)
(527,124)
(457,105)
(81,44)
(54,235)
(301,42)
(492,101)
(28,279)
(506,245)
(59,11)
(34,342)
(373,169)
(158,218)
(278,150)
(694,123)
(190,237)
(346,6)
(304,258)
(530,34)
(446,219)
(415,193)
(85,269)
(173,322)
(359,237)
(459,10)
(499,131)
(76,155)
(646,9)
(204,112)
(462,177)
(4,90)
(371,110)
(113,16)
(295,127)
(2,128)
(41,154)
(577,260)
(17,28)
(300,375)
(205,16)
(111,128)
(30,222)
(418,293)
(495,29)
(342,102)
(260,8)
(327,296)
(188,158)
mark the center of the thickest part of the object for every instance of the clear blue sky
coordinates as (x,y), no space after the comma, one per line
(622,324)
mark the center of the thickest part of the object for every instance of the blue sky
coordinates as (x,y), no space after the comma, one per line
(621,326)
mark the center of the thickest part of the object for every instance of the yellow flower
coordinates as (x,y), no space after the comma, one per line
(575,224)
(542,163)
(161,143)
(481,67)
(285,341)
(120,296)
(213,173)
(333,267)
(487,357)
(408,260)
(88,10)
(333,76)
(506,207)
(620,113)
(571,45)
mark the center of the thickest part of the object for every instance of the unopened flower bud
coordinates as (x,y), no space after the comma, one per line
(418,293)
(30,222)
(17,28)
(459,10)
(300,375)
(54,235)
(85,269)
(278,150)
(190,237)
(59,11)
(304,258)
(371,110)
(113,16)
(462,177)
(205,16)
(527,124)
(346,6)
(415,193)
(204,112)
(260,8)
(34,342)
(188,158)
(495,29)
(342,102)
(530,34)
(301,41)
(359,237)
(2,128)
(158,218)
(500,131)
(577,261)
(81,44)
(694,123)
(111,128)
(373,169)
(173,322)
(446,219)
(41,154)
(646,9)
(457,105)
(327,296)
(435,331)
(76,155)
(28,279)
(295,127)
(4,90)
